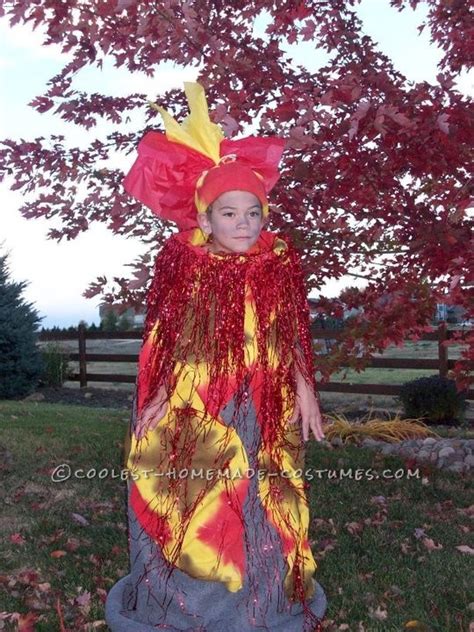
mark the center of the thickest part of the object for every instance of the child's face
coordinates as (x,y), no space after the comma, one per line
(235,221)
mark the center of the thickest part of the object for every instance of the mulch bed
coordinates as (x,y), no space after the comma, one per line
(93,397)
(111,398)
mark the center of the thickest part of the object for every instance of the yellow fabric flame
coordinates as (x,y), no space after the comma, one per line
(196,131)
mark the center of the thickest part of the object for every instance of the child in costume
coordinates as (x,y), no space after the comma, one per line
(218,516)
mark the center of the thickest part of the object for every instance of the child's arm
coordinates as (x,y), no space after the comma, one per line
(307,406)
(307,401)
(155,410)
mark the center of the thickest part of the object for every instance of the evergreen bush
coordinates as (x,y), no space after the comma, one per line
(20,358)
(435,398)
(110,322)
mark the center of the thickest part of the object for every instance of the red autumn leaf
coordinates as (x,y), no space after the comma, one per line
(57,554)
(42,104)
(431,545)
(72,544)
(17,538)
(26,623)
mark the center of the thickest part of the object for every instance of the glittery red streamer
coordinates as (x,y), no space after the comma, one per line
(198,301)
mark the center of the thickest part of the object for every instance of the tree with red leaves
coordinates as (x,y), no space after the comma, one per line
(375,170)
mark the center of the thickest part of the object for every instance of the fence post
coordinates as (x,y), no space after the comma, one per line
(442,349)
(82,355)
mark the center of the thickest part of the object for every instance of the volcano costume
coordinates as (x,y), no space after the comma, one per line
(218,516)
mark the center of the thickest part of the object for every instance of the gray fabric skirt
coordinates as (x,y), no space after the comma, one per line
(158,596)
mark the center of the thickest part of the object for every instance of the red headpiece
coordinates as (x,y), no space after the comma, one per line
(180,173)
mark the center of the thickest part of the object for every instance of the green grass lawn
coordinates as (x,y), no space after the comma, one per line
(380,376)
(385,548)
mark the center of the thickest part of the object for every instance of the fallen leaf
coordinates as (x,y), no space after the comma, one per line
(354,527)
(17,538)
(379,613)
(324,546)
(84,602)
(4,616)
(395,590)
(28,576)
(416,626)
(72,544)
(379,500)
(34,603)
(80,519)
(464,548)
(102,594)
(431,545)
(26,623)
(58,553)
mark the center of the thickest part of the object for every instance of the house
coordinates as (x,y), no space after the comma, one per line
(134,316)
(450,313)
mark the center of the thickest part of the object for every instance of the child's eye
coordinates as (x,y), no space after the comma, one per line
(255,213)
(228,214)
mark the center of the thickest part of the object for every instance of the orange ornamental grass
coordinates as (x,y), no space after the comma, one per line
(391,430)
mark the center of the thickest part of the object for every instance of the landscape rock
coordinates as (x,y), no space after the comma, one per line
(452,455)
(34,397)
(469,461)
(446,451)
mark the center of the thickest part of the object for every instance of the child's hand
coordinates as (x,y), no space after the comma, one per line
(307,406)
(152,413)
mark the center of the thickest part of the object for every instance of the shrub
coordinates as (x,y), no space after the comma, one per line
(124,323)
(20,360)
(109,322)
(435,398)
(55,365)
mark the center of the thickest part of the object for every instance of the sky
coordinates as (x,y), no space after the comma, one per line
(58,273)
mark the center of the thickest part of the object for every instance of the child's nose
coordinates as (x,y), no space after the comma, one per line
(243,221)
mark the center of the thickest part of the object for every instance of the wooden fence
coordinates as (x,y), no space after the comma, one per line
(442,363)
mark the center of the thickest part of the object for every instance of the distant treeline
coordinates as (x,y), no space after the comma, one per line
(110,322)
